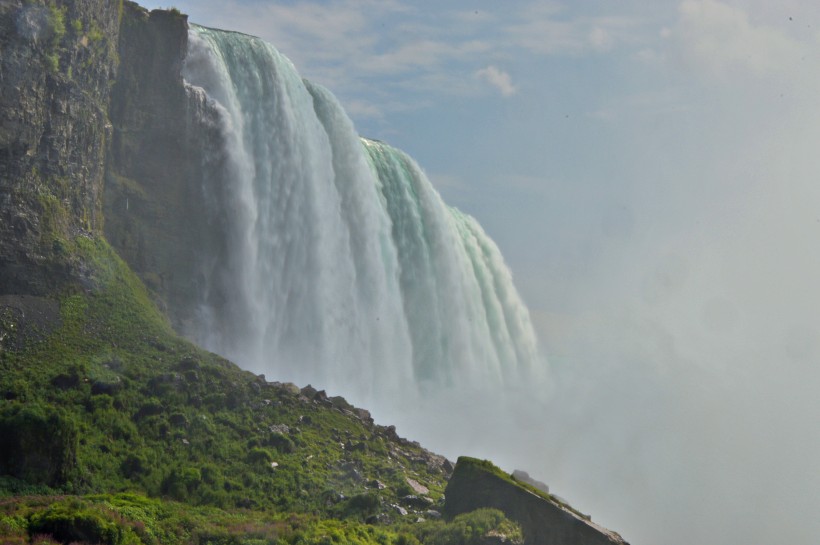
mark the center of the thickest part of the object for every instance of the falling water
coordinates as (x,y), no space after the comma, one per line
(341,265)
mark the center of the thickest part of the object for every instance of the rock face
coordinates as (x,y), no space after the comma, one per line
(544,521)
(163,203)
(57,60)
(154,173)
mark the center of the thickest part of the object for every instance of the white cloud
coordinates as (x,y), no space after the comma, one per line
(363,109)
(720,39)
(545,36)
(398,56)
(421,54)
(543,29)
(324,39)
(600,39)
(497,78)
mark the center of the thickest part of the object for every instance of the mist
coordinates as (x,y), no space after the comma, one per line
(681,324)
(656,197)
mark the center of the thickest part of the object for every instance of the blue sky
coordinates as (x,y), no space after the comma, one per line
(650,172)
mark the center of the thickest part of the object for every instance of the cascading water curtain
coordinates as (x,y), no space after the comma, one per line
(342,265)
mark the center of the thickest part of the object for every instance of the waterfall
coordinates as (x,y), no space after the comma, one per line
(339,264)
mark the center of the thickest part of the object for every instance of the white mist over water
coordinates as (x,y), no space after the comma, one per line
(342,265)
(666,244)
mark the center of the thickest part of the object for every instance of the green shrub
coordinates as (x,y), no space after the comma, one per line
(95,34)
(134,465)
(259,456)
(468,529)
(39,443)
(16,527)
(76,521)
(281,442)
(361,506)
(182,482)
(56,23)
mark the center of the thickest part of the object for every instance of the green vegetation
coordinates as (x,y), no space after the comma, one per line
(487,467)
(129,519)
(40,443)
(110,407)
(54,220)
(56,23)
(95,34)
(75,36)
(468,529)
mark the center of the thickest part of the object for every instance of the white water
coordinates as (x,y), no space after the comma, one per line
(342,267)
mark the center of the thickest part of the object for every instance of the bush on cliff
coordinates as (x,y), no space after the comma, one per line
(39,443)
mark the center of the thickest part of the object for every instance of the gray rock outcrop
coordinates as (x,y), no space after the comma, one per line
(544,521)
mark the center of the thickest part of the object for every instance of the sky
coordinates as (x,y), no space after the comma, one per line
(650,172)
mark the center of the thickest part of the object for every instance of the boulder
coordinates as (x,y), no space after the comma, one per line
(376,484)
(290,388)
(417,502)
(417,487)
(309,391)
(399,509)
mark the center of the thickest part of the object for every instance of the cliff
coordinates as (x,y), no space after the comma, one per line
(56,64)
(94,123)
(543,519)
(153,201)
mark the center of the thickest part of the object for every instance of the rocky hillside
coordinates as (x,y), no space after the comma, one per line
(101,397)
(114,429)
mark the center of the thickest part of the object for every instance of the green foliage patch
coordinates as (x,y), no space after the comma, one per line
(39,443)
(112,401)
(468,529)
(130,519)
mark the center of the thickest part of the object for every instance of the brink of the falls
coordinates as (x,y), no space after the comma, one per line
(340,265)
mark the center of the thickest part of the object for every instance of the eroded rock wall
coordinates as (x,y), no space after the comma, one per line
(57,61)
(156,217)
